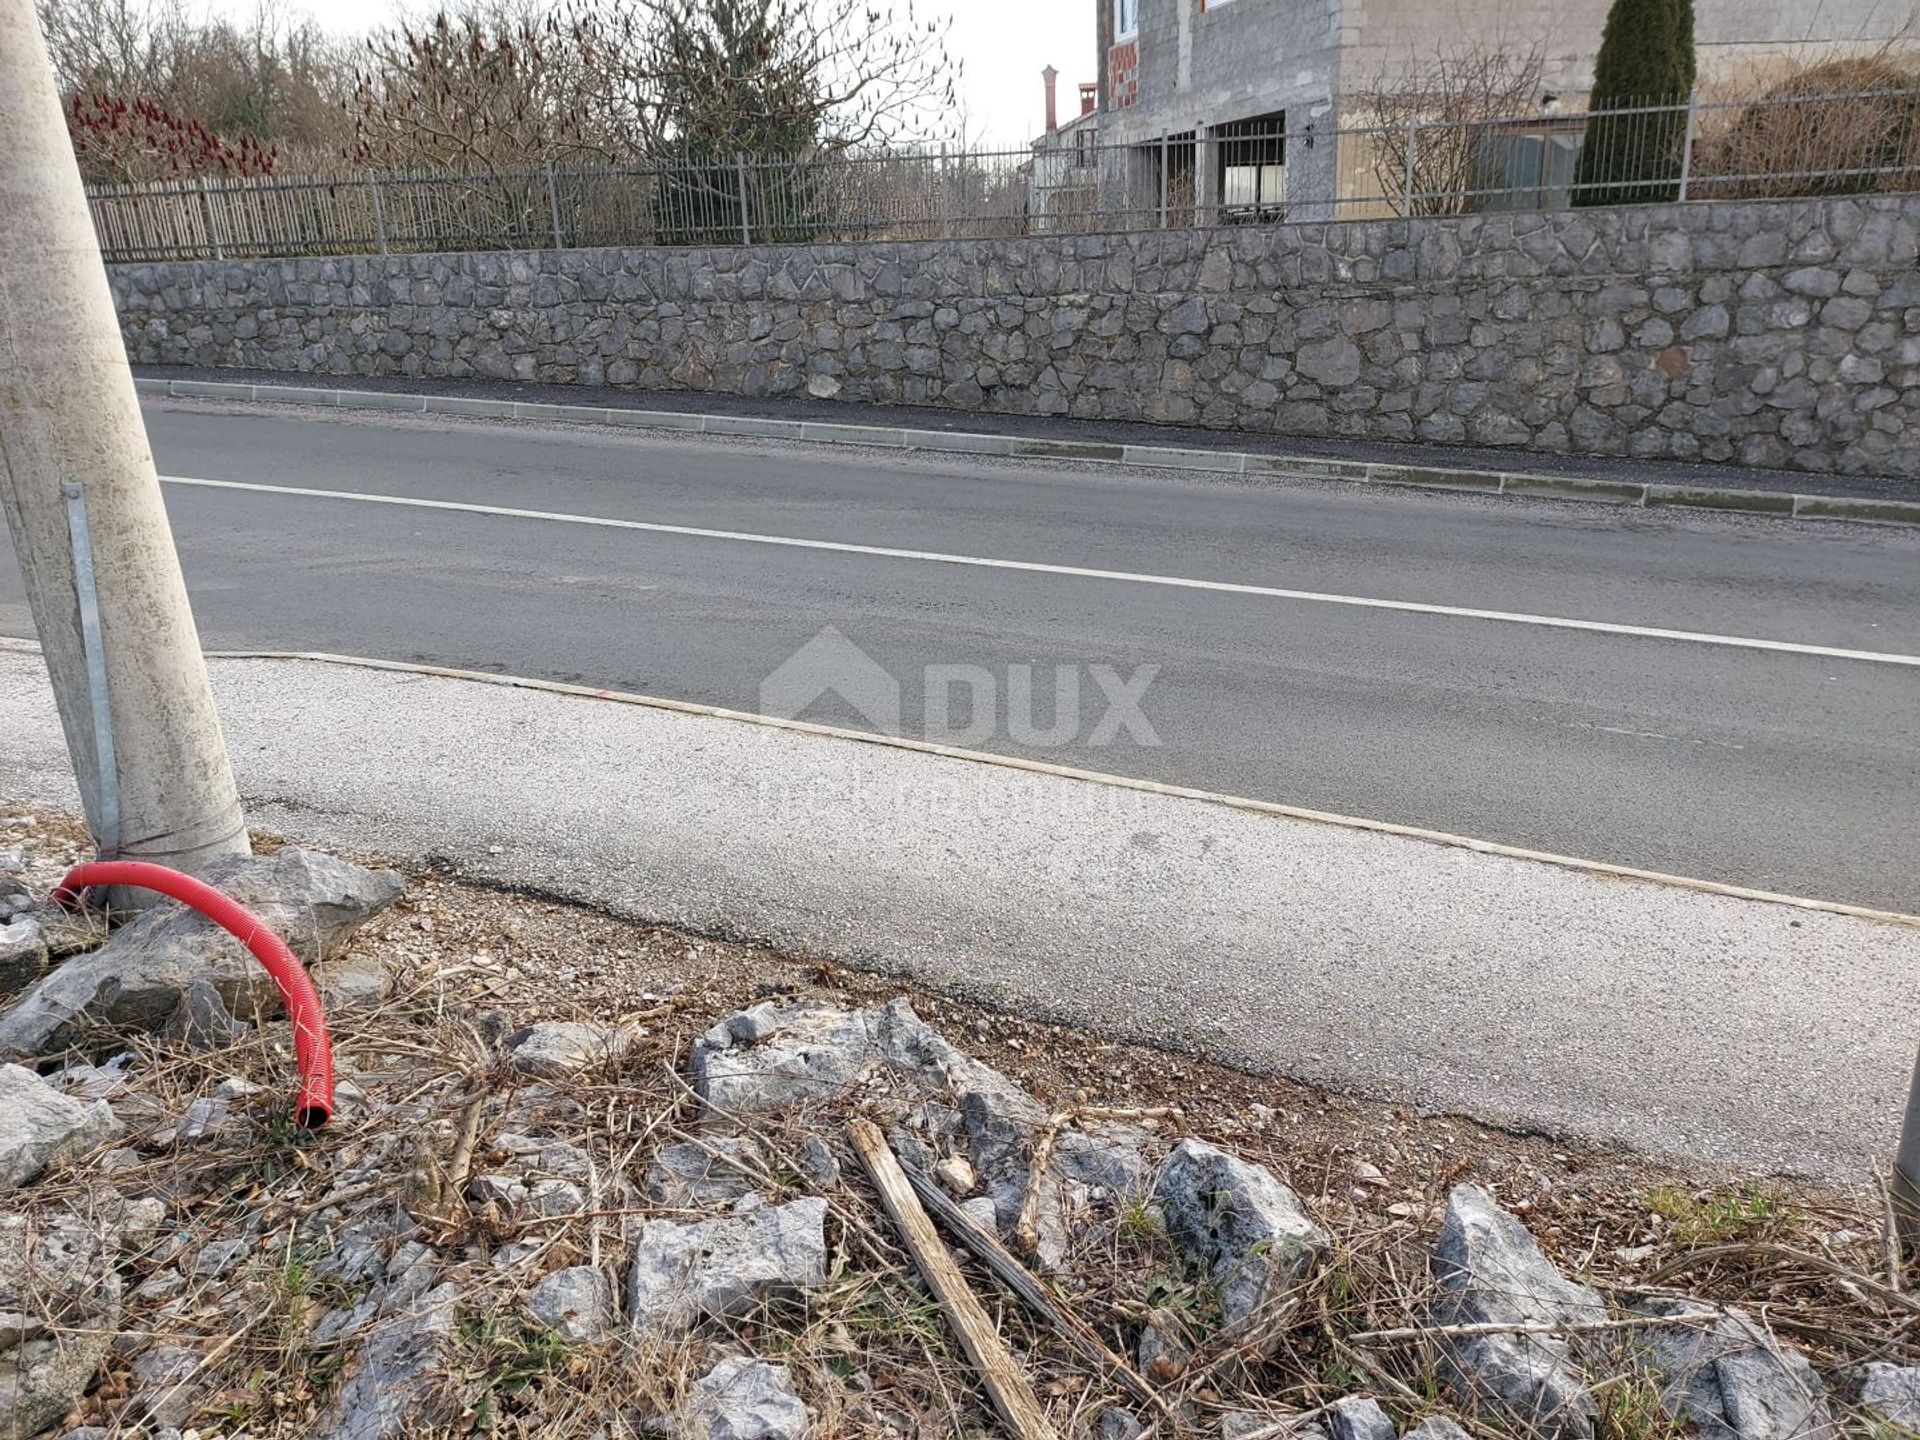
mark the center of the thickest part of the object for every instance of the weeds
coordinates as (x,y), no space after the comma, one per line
(1720,1215)
(1629,1409)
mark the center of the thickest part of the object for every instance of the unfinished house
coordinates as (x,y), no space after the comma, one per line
(1237,111)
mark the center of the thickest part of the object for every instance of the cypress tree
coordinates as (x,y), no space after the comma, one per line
(1646,59)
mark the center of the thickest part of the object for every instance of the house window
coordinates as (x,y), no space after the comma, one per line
(1126,19)
(1253,169)
(1083,148)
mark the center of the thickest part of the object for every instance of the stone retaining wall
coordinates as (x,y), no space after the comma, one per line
(1768,333)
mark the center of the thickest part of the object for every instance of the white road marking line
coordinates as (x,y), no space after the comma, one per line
(1225,587)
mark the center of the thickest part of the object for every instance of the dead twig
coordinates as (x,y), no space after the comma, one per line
(1007,1385)
(1587,1327)
(1022,1281)
(1787,1252)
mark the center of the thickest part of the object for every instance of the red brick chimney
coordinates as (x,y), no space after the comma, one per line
(1089,94)
(1049,76)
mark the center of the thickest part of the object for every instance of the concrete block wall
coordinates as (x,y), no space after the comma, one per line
(1768,333)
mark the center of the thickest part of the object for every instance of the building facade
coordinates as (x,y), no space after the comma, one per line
(1231,105)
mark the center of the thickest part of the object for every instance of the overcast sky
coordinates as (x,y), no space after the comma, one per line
(1003,44)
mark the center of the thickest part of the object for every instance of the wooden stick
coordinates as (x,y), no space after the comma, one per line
(1579,1327)
(1006,1383)
(1016,1277)
(1026,1229)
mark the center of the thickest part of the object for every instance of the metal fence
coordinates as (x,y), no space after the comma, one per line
(1074,182)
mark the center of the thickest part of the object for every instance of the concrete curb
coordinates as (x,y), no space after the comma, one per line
(1777,503)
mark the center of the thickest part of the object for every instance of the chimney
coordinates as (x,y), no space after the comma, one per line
(1089,90)
(1049,75)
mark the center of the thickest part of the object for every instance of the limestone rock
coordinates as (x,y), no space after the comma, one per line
(60,1301)
(397,1385)
(1732,1378)
(555,1049)
(786,1055)
(23,952)
(352,982)
(817,1162)
(164,1374)
(691,1176)
(575,1303)
(1891,1393)
(1490,1272)
(1436,1427)
(1164,1351)
(39,1126)
(725,1265)
(1244,1227)
(201,1021)
(742,1398)
(1358,1417)
(135,981)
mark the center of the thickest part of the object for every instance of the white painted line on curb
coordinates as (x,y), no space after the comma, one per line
(1068,772)
(1065,772)
(1226,587)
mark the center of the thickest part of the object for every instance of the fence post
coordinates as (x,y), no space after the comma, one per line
(1166,160)
(553,207)
(213,229)
(379,212)
(1686,145)
(942,200)
(1413,157)
(746,224)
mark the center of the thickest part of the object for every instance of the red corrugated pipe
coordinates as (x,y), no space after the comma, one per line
(310,1045)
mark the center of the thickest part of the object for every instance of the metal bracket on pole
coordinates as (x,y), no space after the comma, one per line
(88,596)
(740,169)
(553,206)
(1686,145)
(379,212)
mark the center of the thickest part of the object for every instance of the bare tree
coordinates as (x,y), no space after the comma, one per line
(500,87)
(1842,127)
(1452,104)
(152,92)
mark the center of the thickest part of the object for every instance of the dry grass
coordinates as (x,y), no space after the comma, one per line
(869,1351)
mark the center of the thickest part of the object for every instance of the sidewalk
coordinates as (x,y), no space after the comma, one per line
(1734,1032)
(1610,470)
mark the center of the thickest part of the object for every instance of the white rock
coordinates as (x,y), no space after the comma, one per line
(724,1266)
(1491,1273)
(1358,1417)
(1244,1227)
(575,1303)
(60,1303)
(40,1127)
(1732,1378)
(1891,1393)
(957,1175)
(555,1049)
(135,981)
(746,1399)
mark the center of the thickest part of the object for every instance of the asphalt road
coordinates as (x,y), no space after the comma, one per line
(1779,769)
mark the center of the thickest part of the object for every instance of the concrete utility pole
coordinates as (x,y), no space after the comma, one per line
(81,498)
(1906,1171)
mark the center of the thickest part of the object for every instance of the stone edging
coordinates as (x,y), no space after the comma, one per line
(1231,462)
